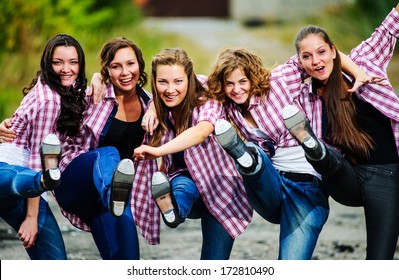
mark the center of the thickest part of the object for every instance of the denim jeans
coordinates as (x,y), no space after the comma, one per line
(85,191)
(20,180)
(374,187)
(49,244)
(217,243)
(301,208)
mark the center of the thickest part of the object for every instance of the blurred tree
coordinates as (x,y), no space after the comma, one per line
(376,10)
(27,24)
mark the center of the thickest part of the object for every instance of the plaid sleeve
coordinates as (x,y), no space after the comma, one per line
(210,111)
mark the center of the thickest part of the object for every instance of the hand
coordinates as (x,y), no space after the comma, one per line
(366,79)
(28,232)
(145,152)
(6,134)
(150,121)
(97,89)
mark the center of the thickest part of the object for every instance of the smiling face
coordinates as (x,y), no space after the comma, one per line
(316,57)
(124,71)
(171,84)
(237,86)
(65,63)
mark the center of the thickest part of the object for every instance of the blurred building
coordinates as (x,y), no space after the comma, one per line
(185,8)
(242,10)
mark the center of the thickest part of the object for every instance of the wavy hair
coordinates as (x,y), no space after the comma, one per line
(73,101)
(250,64)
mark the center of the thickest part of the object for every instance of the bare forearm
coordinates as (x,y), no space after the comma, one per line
(189,138)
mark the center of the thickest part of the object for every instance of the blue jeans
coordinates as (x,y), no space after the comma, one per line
(20,180)
(301,208)
(85,190)
(374,187)
(217,243)
(49,244)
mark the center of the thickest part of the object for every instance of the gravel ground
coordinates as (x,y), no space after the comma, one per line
(343,238)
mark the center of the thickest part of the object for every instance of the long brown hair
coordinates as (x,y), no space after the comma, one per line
(250,64)
(73,101)
(195,93)
(342,129)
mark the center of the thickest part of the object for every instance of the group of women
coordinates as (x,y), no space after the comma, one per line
(216,148)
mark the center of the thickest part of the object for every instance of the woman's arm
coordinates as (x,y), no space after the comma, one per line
(361,77)
(150,119)
(189,138)
(28,230)
(97,88)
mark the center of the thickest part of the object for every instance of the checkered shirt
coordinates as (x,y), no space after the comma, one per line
(289,86)
(34,119)
(212,170)
(94,121)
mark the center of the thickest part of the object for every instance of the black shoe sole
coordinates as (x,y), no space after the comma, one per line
(122,182)
(164,199)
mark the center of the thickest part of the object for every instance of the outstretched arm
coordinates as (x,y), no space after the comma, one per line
(189,138)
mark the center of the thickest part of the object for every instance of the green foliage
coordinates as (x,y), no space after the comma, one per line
(30,23)
(374,10)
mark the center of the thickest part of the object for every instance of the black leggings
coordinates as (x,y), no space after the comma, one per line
(374,187)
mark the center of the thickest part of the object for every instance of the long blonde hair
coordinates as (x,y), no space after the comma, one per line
(194,97)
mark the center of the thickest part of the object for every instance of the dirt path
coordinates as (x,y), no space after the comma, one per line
(343,237)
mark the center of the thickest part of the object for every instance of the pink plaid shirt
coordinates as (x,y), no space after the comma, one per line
(34,119)
(214,173)
(288,86)
(373,56)
(94,121)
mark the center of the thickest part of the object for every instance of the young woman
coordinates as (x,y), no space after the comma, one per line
(112,129)
(53,103)
(281,185)
(203,180)
(362,167)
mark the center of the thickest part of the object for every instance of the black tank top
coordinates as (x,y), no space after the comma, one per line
(124,136)
(378,127)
